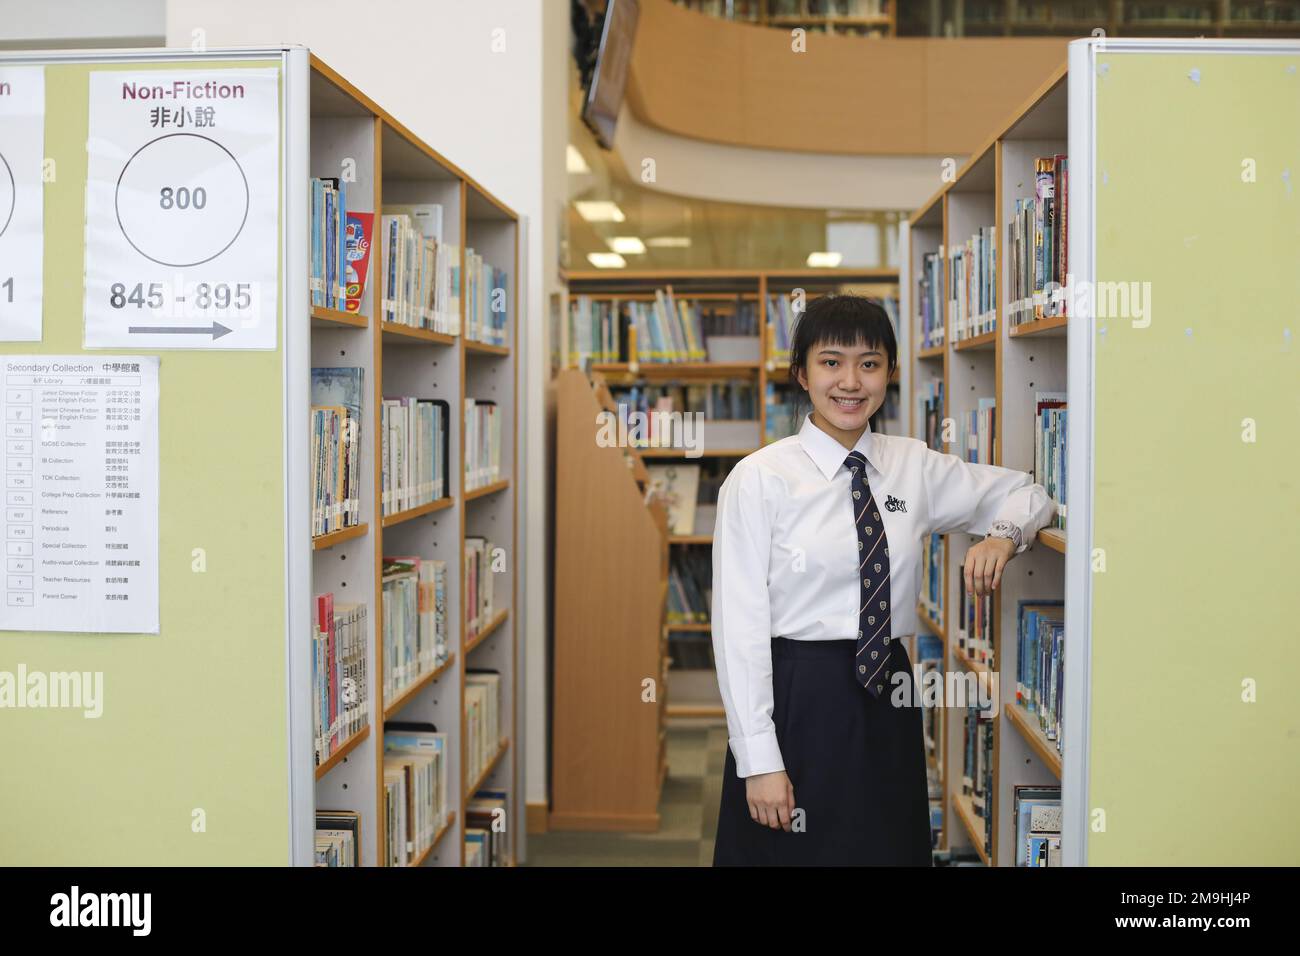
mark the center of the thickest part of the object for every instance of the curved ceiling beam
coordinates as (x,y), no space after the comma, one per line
(741,85)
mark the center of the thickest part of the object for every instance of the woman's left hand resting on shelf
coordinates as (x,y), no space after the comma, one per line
(984,563)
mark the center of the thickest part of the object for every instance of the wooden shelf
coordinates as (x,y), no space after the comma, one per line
(965,661)
(986,342)
(670,370)
(1027,724)
(973,823)
(405,695)
(1053,538)
(1055,326)
(690,539)
(395,333)
(322,317)
(344,749)
(694,710)
(444,829)
(497,620)
(691,627)
(491,765)
(485,348)
(934,352)
(934,627)
(410,514)
(322,541)
(485,490)
(707,453)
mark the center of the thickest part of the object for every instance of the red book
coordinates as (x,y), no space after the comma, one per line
(357,257)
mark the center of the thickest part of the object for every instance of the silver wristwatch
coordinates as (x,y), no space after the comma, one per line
(1005,529)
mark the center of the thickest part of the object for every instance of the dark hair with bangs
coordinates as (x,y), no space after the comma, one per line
(839,320)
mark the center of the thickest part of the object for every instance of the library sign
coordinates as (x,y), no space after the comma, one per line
(182,201)
(22,201)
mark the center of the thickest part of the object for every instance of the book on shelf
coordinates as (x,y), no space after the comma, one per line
(932,589)
(1050,449)
(715,414)
(975,626)
(486,812)
(977,767)
(1038,246)
(1040,664)
(929,297)
(476,852)
(972,301)
(414,593)
(690,586)
(421,272)
(360,237)
(978,432)
(678,486)
(779,417)
(339,671)
(482,719)
(1037,813)
(403,739)
(410,795)
(336,403)
(668,329)
(487,292)
(482,443)
(723,400)
(415,454)
(930,412)
(328,243)
(338,838)
(690,650)
(479,591)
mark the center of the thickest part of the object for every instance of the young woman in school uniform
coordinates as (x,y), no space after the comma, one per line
(816,560)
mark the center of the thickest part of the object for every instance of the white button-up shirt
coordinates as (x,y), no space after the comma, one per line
(785,553)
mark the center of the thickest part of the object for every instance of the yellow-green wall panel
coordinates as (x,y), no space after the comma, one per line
(195,716)
(1199,528)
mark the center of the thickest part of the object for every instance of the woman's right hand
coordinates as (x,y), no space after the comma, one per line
(771,799)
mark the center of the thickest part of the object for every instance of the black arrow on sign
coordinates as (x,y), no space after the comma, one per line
(216,330)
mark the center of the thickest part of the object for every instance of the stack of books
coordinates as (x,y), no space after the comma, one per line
(487,291)
(1038,254)
(415,453)
(336,397)
(482,720)
(972,303)
(482,443)
(414,621)
(339,674)
(1049,449)
(420,273)
(329,222)
(1040,664)
(481,606)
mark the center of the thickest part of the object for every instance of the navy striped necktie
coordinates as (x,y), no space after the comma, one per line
(872,660)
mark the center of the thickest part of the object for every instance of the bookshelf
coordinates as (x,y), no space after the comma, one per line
(693,679)
(1127,18)
(1108,756)
(872,18)
(395,167)
(1010,369)
(610,689)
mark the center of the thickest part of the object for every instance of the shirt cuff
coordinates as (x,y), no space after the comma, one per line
(757,754)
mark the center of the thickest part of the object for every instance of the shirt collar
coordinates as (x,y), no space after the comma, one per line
(828,454)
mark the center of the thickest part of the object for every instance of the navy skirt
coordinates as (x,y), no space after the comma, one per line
(857,765)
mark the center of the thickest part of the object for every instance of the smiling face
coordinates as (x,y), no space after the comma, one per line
(846,385)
